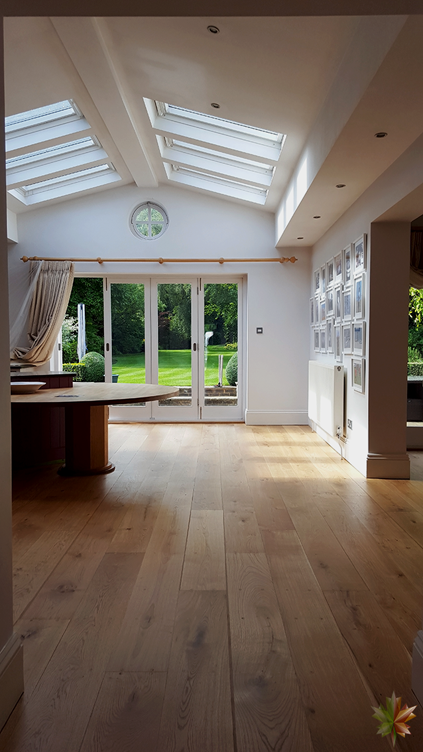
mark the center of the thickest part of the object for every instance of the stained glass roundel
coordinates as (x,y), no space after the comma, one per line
(149,221)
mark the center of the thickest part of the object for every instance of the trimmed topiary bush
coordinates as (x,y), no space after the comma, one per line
(94,366)
(77,368)
(232,370)
(415,369)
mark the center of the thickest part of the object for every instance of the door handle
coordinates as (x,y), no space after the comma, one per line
(194,347)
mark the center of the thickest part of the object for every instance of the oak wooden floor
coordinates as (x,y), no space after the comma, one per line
(227,589)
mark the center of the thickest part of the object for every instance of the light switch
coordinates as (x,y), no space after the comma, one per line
(259,330)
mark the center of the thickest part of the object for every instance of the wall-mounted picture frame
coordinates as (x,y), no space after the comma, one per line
(347,339)
(322,339)
(329,335)
(359,337)
(357,374)
(347,304)
(316,340)
(337,343)
(329,303)
(360,254)
(323,279)
(359,297)
(316,309)
(347,264)
(337,262)
(311,311)
(337,303)
(322,316)
(317,281)
(330,275)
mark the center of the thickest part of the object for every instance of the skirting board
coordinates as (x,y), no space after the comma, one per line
(414,436)
(276,418)
(417,668)
(391,466)
(11,677)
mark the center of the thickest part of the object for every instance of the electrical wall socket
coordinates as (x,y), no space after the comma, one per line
(349,423)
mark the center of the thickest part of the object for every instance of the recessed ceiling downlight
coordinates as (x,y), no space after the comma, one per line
(381,134)
(213,29)
(215,105)
(340,185)
(316,216)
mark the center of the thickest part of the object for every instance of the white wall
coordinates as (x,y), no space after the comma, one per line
(392,196)
(200,227)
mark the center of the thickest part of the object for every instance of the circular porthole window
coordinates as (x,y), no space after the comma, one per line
(149,221)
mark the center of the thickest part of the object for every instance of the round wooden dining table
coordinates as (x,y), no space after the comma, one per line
(86,419)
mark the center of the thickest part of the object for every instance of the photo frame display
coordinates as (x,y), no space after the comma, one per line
(359,335)
(359,297)
(337,303)
(317,281)
(323,339)
(360,254)
(347,339)
(347,264)
(323,310)
(329,302)
(316,309)
(337,343)
(330,276)
(311,311)
(337,262)
(316,340)
(347,304)
(323,279)
(329,335)
(358,375)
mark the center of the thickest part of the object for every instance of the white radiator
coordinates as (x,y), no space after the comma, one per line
(326,396)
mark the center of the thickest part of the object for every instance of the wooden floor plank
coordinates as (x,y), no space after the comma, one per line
(269,714)
(123,652)
(204,567)
(40,638)
(329,682)
(127,713)
(198,686)
(58,712)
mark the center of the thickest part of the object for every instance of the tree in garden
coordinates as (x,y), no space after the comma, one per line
(415,321)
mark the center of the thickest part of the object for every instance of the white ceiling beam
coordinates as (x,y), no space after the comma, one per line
(85,42)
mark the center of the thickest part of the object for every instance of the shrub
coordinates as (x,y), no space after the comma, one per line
(231,346)
(94,363)
(415,369)
(414,355)
(232,370)
(77,368)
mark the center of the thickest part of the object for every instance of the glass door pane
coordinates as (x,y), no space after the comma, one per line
(175,354)
(220,398)
(128,333)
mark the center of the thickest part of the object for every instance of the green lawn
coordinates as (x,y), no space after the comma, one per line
(174,367)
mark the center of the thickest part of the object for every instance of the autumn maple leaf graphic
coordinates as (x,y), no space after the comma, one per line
(393,718)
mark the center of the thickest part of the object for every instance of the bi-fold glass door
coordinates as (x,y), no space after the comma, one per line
(181,332)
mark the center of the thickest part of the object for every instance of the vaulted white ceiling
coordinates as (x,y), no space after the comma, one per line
(328,83)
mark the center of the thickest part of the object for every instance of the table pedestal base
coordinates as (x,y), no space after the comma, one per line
(87,441)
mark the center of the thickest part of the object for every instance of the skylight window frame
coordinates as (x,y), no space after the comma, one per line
(219,186)
(51,183)
(52,152)
(228,141)
(222,167)
(222,124)
(35,123)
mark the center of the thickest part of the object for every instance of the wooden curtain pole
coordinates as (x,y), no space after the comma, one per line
(99,260)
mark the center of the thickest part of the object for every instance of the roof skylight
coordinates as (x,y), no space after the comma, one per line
(47,158)
(206,151)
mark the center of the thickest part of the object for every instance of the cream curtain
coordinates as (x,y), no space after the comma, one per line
(47,311)
(416,259)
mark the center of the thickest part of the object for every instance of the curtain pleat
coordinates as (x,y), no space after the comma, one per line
(47,311)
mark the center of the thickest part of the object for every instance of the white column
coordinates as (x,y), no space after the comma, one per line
(389,272)
(11,666)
